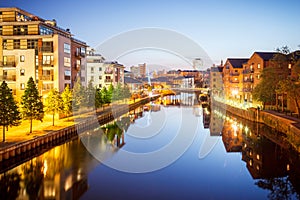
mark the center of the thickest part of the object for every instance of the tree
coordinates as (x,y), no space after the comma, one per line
(67,101)
(31,102)
(90,95)
(265,89)
(292,89)
(9,113)
(54,103)
(110,92)
(98,98)
(78,95)
(117,93)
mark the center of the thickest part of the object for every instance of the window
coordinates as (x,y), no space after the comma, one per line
(47,47)
(32,44)
(67,48)
(290,66)
(67,62)
(22,58)
(45,31)
(82,51)
(67,75)
(21,30)
(258,66)
(100,69)
(16,44)
(100,77)
(1,30)
(22,86)
(258,76)
(92,70)
(47,60)
(4,44)
(92,78)
(22,72)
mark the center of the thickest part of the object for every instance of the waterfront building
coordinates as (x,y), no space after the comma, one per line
(216,81)
(38,48)
(103,73)
(232,79)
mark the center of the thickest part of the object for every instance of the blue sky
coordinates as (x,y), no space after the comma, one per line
(231,28)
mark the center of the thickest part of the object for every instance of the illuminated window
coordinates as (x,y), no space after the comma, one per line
(67,62)
(258,76)
(258,66)
(22,72)
(290,66)
(22,86)
(22,58)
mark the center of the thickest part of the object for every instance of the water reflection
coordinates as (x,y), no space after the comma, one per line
(68,171)
(268,159)
(60,173)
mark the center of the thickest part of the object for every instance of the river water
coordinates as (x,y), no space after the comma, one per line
(170,149)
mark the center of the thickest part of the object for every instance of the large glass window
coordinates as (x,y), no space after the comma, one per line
(0,30)
(47,47)
(45,31)
(67,48)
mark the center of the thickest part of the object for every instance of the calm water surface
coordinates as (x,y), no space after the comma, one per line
(223,158)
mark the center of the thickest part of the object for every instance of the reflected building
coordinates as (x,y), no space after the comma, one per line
(54,175)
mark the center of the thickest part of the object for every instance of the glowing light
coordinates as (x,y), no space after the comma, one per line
(246,129)
(45,168)
(257,156)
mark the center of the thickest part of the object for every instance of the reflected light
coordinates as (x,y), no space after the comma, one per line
(45,168)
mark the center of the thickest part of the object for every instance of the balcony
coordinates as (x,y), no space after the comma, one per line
(47,78)
(234,81)
(234,74)
(48,63)
(248,80)
(79,54)
(46,49)
(8,78)
(248,71)
(247,89)
(8,64)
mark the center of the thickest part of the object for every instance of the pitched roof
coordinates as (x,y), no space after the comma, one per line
(266,55)
(237,62)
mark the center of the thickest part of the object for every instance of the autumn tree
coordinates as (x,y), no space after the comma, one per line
(31,102)
(67,101)
(53,103)
(9,113)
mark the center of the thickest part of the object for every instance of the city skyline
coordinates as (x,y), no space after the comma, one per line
(222,29)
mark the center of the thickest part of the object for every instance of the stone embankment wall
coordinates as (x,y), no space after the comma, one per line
(278,123)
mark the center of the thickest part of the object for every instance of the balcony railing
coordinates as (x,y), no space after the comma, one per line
(234,81)
(48,63)
(47,78)
(8,78)
(79,54)
(108,80)
(46,49)
(234,74)
(248,80)
(248,71)
(247,89)
(8,64)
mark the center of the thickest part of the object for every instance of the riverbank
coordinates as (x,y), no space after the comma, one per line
(19,142)
(288,125)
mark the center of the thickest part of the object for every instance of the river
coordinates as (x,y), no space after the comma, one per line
(169,149)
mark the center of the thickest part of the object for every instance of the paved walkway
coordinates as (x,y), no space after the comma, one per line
(22,133)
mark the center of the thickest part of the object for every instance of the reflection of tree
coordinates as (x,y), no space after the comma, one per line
(280,188)
(10,186)
(33,179)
